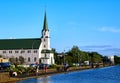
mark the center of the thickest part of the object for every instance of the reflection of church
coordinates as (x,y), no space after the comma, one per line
(32,49)
(44,80)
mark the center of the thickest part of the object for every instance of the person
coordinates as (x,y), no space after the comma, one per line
(45,68)
(10,73)
(37,69)
(0,67)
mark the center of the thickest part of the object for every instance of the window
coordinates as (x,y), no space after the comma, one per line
(35,51)
(10,52)
(44,40)
(44,46)
(23,51)
(45,55)
(35,59)
(28,59)
(29,51)
(16,51)
(4,52)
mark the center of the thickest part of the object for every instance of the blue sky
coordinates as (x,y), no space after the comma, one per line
(92,25)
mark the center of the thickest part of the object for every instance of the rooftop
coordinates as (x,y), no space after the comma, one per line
(29,43)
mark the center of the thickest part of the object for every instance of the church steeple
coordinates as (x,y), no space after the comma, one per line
(45,25)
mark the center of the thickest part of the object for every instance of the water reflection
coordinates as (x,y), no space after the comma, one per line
(100,75)
(43,80)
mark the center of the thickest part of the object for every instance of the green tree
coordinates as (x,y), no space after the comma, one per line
(21,59)
(55,55)
(116,59)
(75,54)
(0,56)
(12,60)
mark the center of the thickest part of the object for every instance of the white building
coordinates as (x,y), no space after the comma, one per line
(32,49)
(111,58)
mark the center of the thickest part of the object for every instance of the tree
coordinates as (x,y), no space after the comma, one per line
(55,56)
(95,58)
(0,56)
(116,59)
(12,60)
(21,59)
(75,53)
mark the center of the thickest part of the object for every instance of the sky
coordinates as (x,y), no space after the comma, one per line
(92,25)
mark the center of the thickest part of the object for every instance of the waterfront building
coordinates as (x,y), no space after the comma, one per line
(2,60)
(111,58)
(34,50)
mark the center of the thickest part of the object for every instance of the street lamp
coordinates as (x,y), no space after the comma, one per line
(64,56)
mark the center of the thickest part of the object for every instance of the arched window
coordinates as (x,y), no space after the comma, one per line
(35,59)
(44,46)
(45,55)
(28,59)
(44,40)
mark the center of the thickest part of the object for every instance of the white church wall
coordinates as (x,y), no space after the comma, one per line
(27,53)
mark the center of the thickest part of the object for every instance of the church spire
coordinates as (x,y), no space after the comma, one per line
(45,25)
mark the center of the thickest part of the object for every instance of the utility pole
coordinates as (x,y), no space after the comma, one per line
(64,56)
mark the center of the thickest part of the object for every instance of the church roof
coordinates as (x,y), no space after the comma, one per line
(10,44)
(45,25)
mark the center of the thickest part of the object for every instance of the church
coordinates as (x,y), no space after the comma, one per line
(33,50)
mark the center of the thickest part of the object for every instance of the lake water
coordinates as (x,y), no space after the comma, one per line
(100,75)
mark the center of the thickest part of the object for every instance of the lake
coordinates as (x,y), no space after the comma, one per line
(100,75)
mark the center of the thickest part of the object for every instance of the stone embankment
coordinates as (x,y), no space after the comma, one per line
(4,77)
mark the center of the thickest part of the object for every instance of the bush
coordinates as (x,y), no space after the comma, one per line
(52,66)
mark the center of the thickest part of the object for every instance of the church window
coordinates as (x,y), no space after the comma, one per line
(45,55)
(35,59)
(46,37)
(28,59)
(4,52)
(35,51)
(10,52)
(22,51)
(16,51)
(44,40)
(29,51)
(44,46)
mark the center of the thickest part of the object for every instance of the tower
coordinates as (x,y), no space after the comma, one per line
(45,35)
(46,53)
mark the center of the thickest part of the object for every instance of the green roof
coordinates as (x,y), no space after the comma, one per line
(46,51)
(45,25)
(32,43)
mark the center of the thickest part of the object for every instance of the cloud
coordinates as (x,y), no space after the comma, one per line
(105,50)
(110,29)
(12,38)
(111,51)
(95,47)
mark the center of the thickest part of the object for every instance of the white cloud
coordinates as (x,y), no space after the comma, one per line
(12,38)
(110,29)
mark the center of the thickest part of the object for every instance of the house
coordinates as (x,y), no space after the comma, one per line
(2,60)
(111,58)
(34,50)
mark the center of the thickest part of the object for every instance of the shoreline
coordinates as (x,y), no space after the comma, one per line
(41,73)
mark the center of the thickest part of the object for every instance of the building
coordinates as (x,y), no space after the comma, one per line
(34,50)
(111,58)
(2,60)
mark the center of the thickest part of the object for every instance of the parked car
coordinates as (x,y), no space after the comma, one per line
(4,65)
(33,65)
(42,66)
